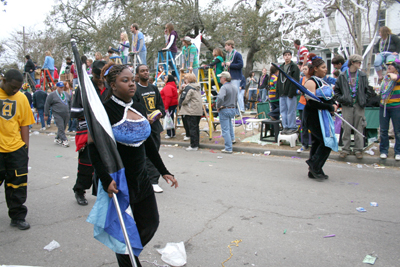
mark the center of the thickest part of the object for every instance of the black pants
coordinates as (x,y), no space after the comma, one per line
(275,111)
(193,129)
(14,172)
(147,220)
(152,171)
(171,111)
(304,134)
(84,177)
(319,153)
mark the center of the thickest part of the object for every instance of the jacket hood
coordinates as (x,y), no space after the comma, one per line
(195,86)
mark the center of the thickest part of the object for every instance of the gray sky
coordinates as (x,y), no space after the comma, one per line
(21,13)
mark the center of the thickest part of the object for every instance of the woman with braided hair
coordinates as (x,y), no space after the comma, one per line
(319,153)
(131,130)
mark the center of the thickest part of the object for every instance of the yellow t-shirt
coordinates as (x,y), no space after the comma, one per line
(14,113)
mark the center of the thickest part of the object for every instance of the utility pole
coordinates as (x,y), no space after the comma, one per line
(23,39)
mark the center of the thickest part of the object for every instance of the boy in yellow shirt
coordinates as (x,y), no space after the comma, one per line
(15,118)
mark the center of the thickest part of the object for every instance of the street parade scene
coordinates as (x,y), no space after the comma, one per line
(199,133)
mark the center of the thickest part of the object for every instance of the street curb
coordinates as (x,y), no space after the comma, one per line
(289,153)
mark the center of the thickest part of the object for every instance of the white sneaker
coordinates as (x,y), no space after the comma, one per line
(186,138)
(167,137)
(384,156)
(58,141)
(192,148)
(301,149)
(226,151)
(397,157)
(233,141)
(157,188)
(48,126)
(42,129)
(65,143)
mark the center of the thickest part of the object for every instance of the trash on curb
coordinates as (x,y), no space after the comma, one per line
(294,157)
(219,157)
(173,254)
(58,156)
(361,209)
(65,177)
(369,259)
(52,245)
(359,166)
(329,236)
(267,153)
(374,204)
(51,134)
(35,132)
(171,156)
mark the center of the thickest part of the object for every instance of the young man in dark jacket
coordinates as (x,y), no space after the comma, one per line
(39,100)
(287,94)
(30,67)
(263,85)
(234,65)
(352,92)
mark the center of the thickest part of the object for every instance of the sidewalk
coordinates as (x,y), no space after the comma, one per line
(248,142)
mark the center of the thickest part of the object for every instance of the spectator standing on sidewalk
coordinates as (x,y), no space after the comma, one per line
(226,107)
(352,92)
(38,101)
(263,85)
(60,103)
(272,95)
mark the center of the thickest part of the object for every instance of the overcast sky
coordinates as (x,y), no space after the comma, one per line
(21,13)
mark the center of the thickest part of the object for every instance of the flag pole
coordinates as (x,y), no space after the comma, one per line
(351,126)
(126,237)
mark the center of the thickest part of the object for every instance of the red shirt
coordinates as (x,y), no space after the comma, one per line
(169,95)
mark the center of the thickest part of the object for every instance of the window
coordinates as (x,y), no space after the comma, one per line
(382,18)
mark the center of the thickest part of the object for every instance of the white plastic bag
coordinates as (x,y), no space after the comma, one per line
(173,254)
(52,245)
(168,122)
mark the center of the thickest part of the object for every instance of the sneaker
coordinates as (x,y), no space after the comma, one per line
(384,156)
(186,138)
(226,151)
(20,224)
(233,141)
(301,149)
(342,155)
(80,198)
(359,155)
(284,131)
(192,148)
(157,188)
(43,129)
(65,143)
(57,141)
(48,126)
(167,137)
(291,131)
(397,157)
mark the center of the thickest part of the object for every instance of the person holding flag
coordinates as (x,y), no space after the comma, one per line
(131,130)
(319,152)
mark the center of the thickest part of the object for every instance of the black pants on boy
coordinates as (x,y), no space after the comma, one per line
(84,177)
(152,171)
(14,174)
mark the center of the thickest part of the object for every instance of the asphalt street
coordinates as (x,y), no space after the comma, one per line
(267,202)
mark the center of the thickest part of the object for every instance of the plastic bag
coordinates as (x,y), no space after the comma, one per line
(52,245)
(168,122)
(173,254)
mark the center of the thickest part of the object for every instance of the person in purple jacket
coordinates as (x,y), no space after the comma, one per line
(171,36)
(234,64)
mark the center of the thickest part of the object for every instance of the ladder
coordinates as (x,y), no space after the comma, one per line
(206,82)
(47,82)
(164,61)
(28,79)
(116,59)
(134,60)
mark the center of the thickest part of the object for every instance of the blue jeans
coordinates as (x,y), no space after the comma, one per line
(263,95)
(37,81)
(32,74)
(393,114)
(41,116)
(225,119)
(287,107)
(240,99)
(251,93)
(72,124)
(382,58)
(142,56)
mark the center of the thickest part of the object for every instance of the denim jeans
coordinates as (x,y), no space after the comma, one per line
(41,116)
(240,99)
(251,93)
(142,56)
(225,119)
(72,124)
(382,58)
(274,107)
(37,81)
(394,114)
(32,74)
(287,108)
(263,95)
